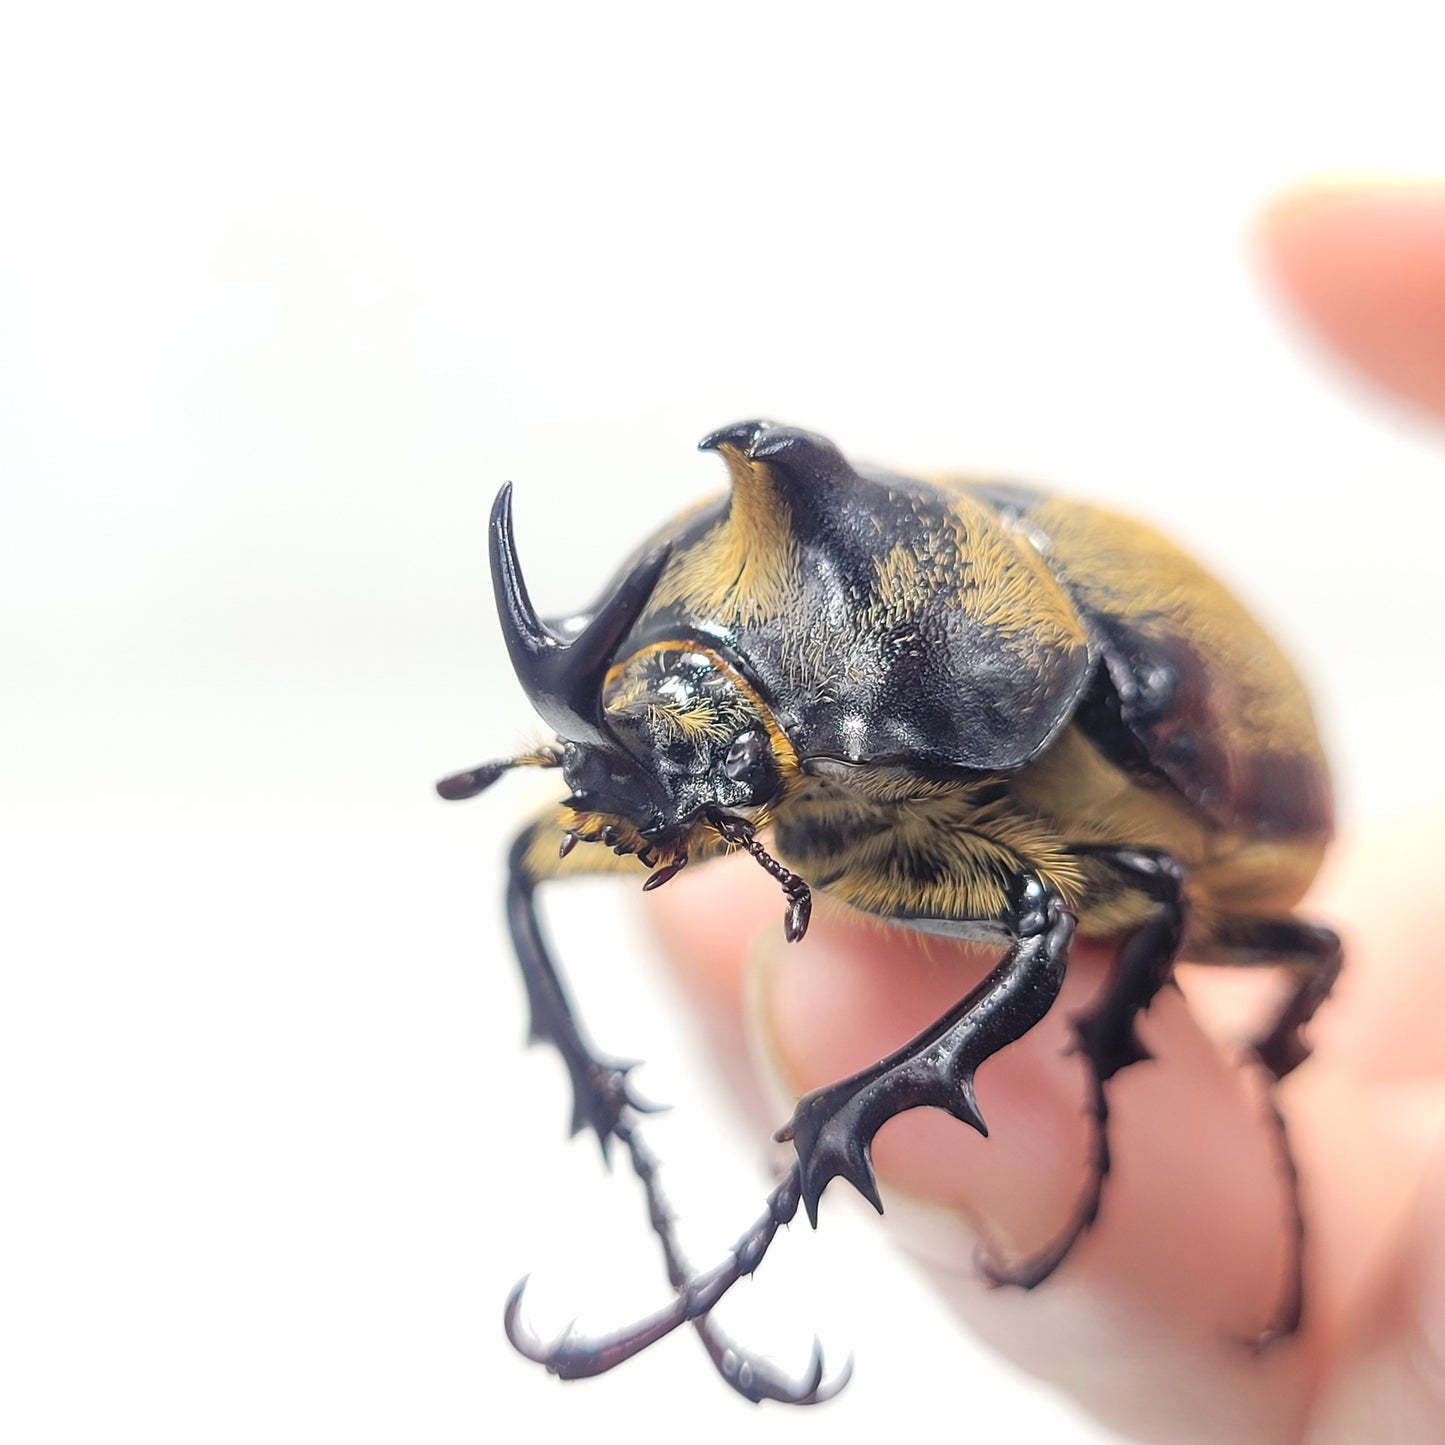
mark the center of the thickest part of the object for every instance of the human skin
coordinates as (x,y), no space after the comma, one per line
(1142,1324)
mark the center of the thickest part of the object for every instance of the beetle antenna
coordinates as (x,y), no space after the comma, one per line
(461,786)
(795,890)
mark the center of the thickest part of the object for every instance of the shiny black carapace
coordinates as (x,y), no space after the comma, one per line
(964,707)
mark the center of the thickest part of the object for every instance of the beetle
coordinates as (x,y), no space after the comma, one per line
(964,707)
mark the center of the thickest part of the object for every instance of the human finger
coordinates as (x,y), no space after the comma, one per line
(1389,1384)
(1365,265)
(1384,1021)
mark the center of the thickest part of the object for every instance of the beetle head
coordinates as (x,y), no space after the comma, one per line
(653,747)
(698,730)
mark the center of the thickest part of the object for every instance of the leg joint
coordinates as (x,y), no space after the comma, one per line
(1035,908)
(1152,871)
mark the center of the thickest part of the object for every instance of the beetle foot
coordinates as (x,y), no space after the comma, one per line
(755,1379)
(572,1357)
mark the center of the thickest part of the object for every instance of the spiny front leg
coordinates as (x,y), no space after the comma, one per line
(603,1102)
(599,1084)
(832,1129)
(600,1090)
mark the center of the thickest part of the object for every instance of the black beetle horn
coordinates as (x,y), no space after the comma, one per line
(564,679)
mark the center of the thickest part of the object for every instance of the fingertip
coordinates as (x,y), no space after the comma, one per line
(1363,261)
(707,921)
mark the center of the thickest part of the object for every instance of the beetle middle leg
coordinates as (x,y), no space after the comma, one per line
(1109,1041)
(602,1102)
(1108,1036)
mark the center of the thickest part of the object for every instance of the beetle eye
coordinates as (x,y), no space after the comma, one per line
(744,756)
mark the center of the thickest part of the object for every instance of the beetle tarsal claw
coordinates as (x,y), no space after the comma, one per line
(523,1340)
(571,1356)
(756,1380)
(633,1100)
(574,1357)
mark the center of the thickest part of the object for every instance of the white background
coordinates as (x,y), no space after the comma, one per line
(285,293)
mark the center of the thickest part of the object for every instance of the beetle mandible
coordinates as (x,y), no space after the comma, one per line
(964,707)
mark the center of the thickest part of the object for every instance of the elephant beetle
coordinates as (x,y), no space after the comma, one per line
(963,707)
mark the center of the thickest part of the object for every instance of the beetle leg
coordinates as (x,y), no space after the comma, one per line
(1109,1040)
(1310,950)
(600,1089)
(749,1375)
(833,1128)
(572,1359)
(1314,953)
(604,1103)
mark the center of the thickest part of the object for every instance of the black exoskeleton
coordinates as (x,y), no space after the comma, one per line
(967,708)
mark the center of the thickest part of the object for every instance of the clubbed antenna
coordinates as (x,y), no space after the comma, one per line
(461,786)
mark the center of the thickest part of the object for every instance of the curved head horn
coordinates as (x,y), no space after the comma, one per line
(564,679)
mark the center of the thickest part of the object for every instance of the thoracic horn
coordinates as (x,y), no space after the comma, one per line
(564,679)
